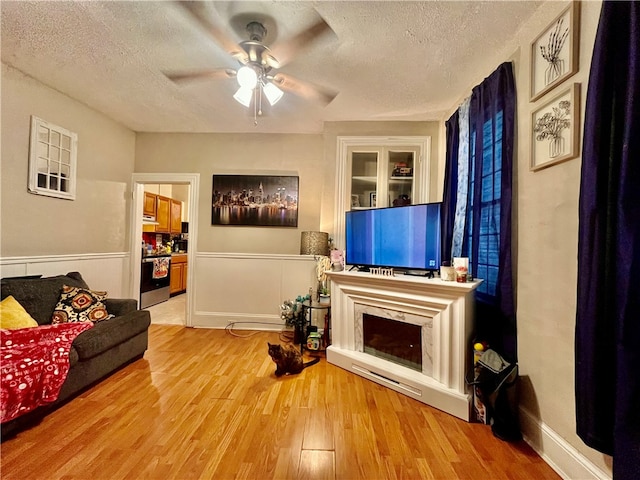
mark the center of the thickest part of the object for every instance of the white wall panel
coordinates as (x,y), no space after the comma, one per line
(248,288)
(109,271)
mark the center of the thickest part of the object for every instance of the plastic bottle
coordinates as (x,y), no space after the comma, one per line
(478,350)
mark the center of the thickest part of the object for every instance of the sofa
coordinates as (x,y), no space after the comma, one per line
(95,353)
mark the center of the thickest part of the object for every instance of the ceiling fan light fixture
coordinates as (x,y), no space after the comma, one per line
(244,96)
(273,93)
(247,77)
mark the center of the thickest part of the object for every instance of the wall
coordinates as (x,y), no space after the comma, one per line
(272,154)
(547,219)
(234,263)
(546,226)
(333,130)
(37,228)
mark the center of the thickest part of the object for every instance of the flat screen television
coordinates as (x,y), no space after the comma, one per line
(405,238)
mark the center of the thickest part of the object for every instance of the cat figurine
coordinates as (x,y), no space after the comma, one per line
(288,359)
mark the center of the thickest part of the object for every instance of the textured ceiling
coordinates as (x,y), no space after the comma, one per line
(392,60)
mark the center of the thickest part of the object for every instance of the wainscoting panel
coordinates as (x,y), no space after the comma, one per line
(248,288)
(101,271)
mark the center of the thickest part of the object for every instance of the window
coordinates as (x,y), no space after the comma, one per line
(486,253)
(52,160)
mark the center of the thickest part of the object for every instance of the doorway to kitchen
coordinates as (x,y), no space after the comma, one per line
(160,242)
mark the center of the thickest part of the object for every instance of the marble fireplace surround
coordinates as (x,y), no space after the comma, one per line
(443,309)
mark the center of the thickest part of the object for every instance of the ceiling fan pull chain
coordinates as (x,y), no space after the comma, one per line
(255,107)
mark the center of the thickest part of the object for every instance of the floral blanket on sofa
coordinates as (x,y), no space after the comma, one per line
(34,363)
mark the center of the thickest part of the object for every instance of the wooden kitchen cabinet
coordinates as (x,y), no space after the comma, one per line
(176,216)
(163,214)
(178,281)
(149,205)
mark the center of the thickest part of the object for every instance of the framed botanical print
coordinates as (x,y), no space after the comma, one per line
(555,134)
(555,52)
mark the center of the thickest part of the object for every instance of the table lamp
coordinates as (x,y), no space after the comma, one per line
(314,243)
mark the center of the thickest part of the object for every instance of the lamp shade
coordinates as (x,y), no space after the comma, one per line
(314,243)
(273,93)
(247,77)
(244,96)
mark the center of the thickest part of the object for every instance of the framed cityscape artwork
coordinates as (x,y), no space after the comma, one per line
(255,200)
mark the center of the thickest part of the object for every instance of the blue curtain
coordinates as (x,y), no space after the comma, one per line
(448,211)
(607,341)
(487,240)
(492,126)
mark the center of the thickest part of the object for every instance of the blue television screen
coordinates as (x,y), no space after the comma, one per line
(406,237)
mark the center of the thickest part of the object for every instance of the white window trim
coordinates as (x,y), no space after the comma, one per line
(70,192)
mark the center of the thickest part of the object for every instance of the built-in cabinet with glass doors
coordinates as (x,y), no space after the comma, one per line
(378,172)
(382,177)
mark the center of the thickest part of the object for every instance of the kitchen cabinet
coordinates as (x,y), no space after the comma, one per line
(178,274)
(149,205)
(176,216)
(163,214)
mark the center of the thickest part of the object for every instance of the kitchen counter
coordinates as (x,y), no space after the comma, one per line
(156,255)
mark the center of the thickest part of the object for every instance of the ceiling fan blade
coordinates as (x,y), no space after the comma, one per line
(304,89)
(287,49)
(215,31)
(181,77)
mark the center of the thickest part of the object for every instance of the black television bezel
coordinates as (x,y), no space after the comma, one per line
(405,269)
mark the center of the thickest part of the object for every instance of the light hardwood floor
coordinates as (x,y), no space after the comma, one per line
(206,404)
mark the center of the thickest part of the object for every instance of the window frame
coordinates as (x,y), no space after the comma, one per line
(481,269)
(65,185)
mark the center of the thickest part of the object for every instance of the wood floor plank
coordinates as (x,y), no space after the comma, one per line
(316,465)
(204,404)
(318,432)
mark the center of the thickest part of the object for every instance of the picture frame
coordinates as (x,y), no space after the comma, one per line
(372,199)
(255,200)
(355,201)
(555,52)
(555,132)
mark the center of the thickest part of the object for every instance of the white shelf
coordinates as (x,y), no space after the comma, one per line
(367,179)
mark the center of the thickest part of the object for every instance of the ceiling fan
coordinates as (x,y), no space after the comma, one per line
(256,74)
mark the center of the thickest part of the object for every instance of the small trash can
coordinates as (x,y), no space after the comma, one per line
(494,381)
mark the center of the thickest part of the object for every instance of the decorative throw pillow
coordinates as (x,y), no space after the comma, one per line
(14,316)
(80,305)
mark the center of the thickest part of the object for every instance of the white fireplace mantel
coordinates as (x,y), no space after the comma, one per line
(447,310)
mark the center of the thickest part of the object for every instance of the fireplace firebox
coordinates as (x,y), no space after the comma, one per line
(395,341)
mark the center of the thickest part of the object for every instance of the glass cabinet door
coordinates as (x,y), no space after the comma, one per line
(364,178)
(400,169)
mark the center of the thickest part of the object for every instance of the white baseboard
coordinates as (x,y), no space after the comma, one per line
(568,462)
(238,321)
